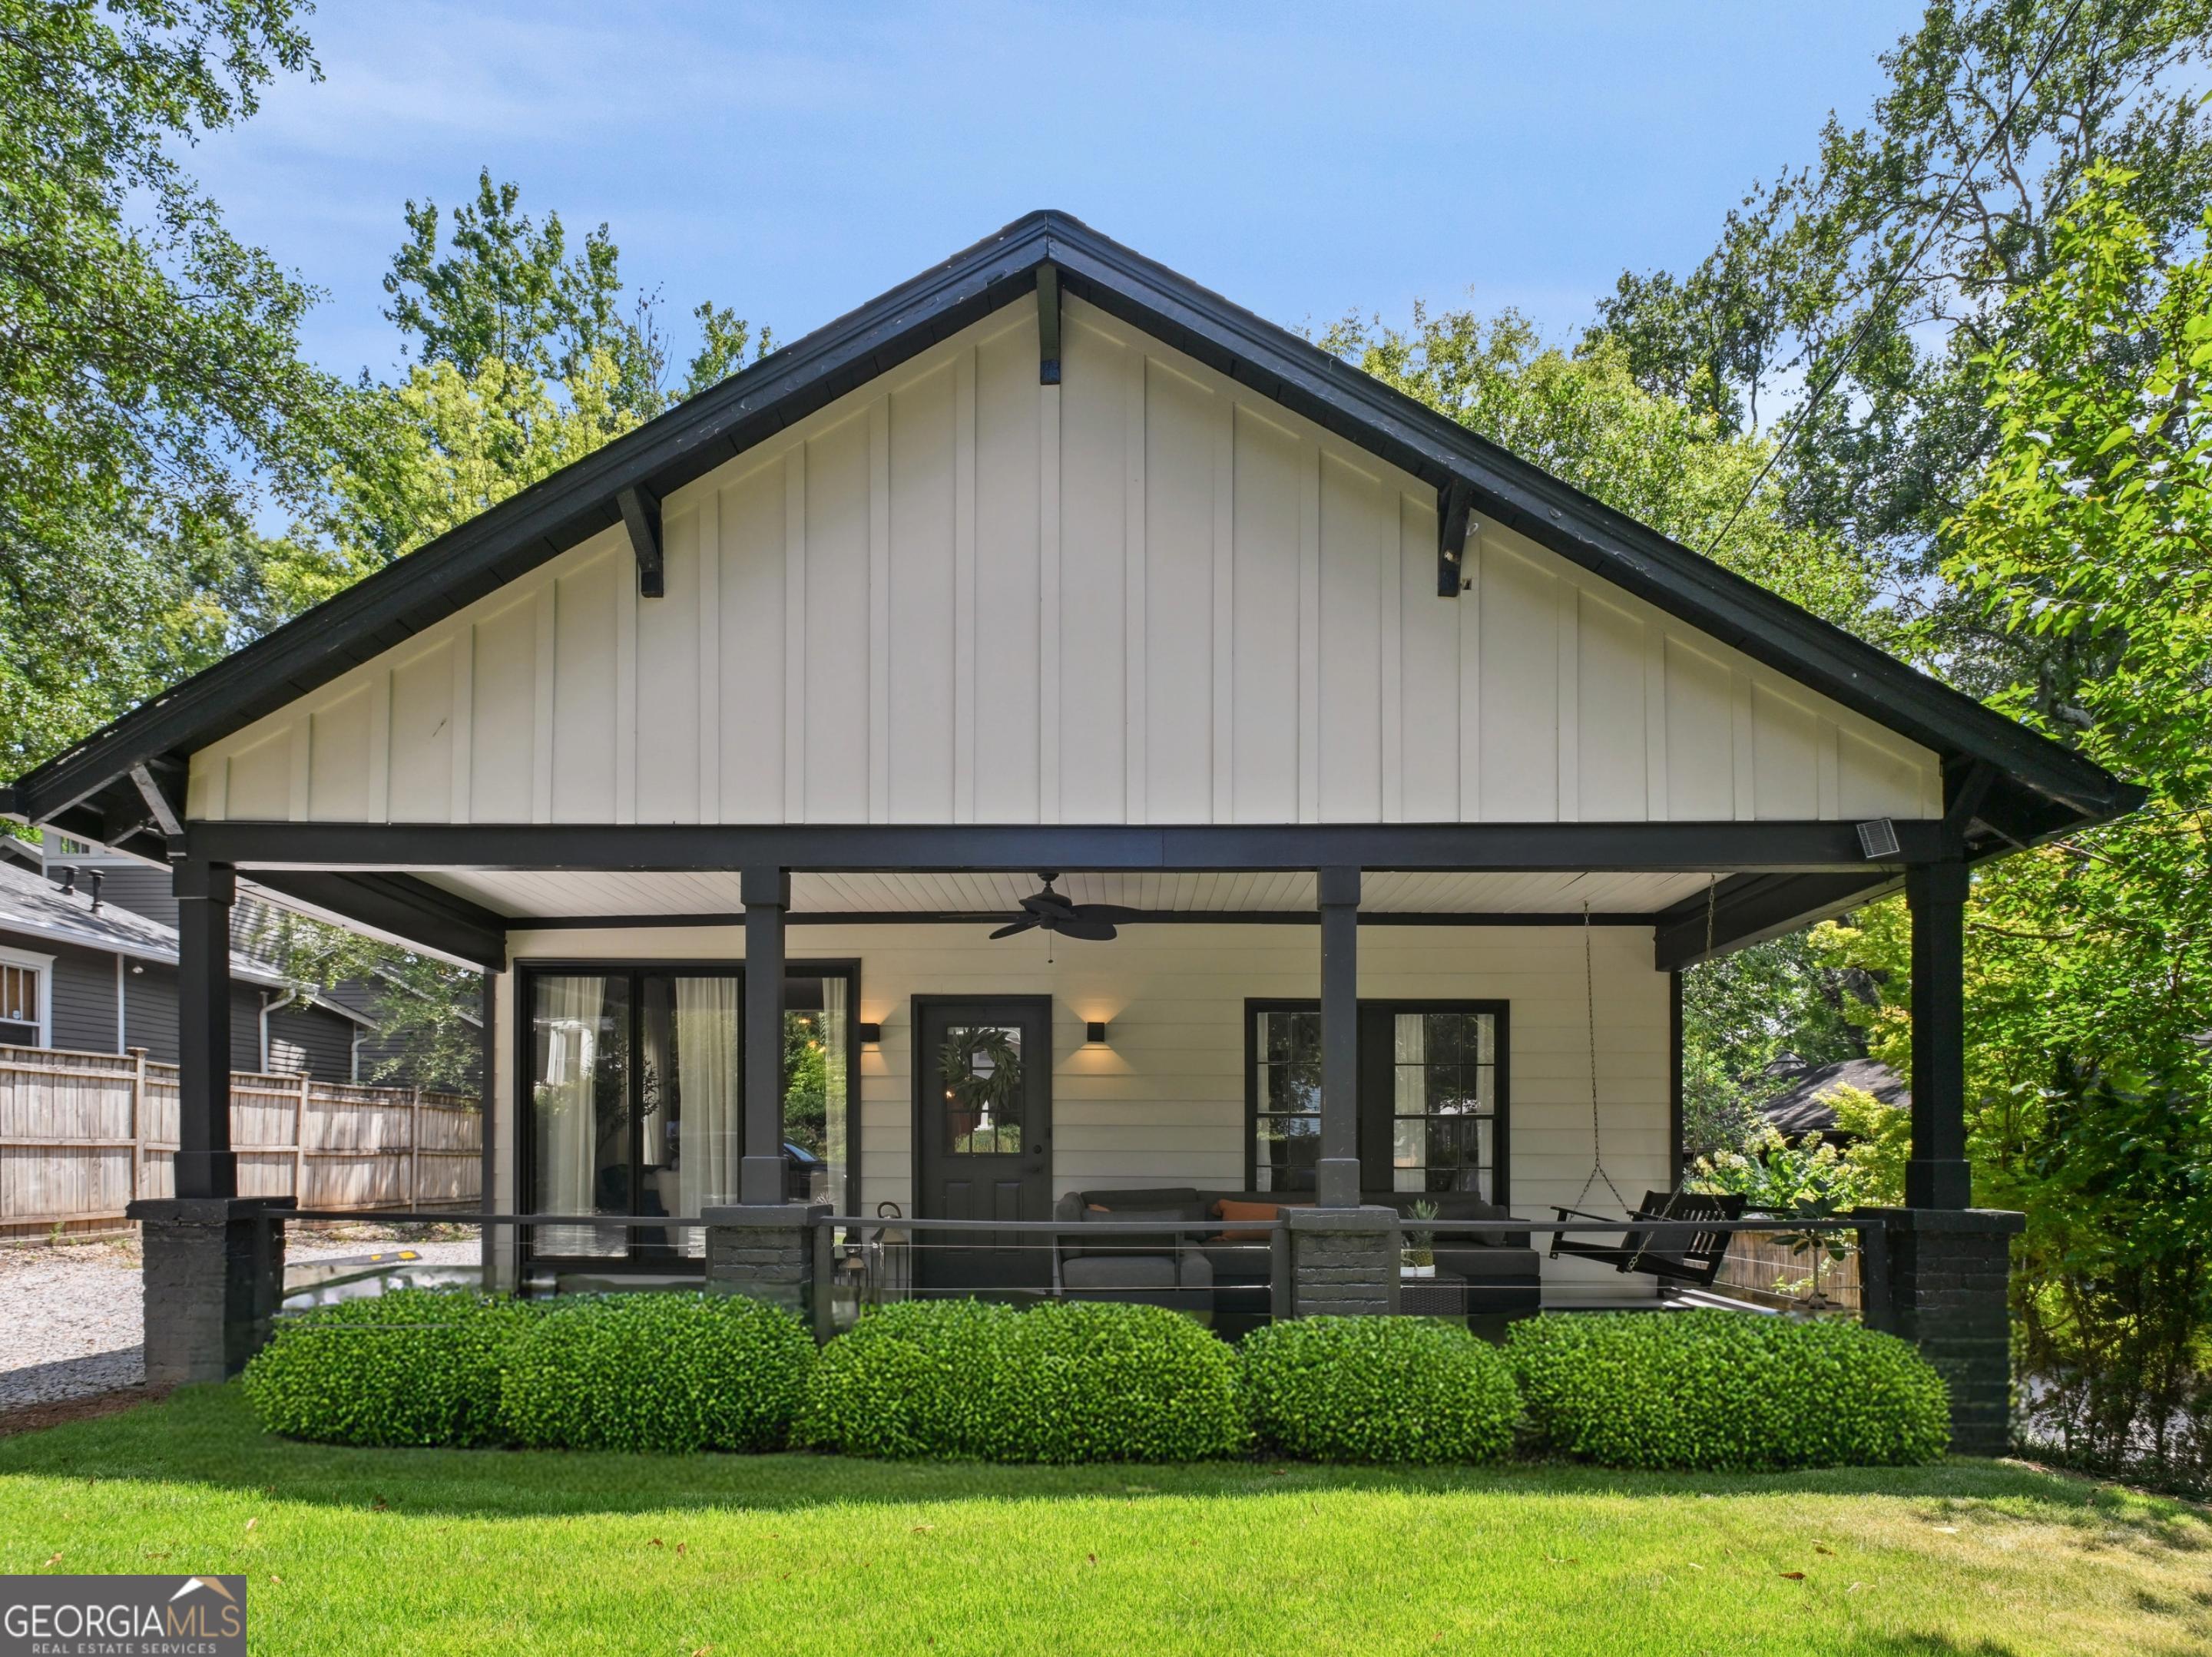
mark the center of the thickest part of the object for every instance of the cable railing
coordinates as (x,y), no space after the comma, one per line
(1233,1275)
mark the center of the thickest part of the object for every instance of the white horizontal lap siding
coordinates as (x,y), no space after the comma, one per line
(1163,1101)
(1145,595)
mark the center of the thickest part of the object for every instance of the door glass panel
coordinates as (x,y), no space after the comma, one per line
(691,1093)
(1286,1129)
(637,1101)
(580,1113)
(1444,1101)
(980,1068)
(817,1090)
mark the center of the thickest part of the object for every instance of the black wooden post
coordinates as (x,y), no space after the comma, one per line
(212,1264)
(1337,1180)
(205,1165)
(486,1118)
(1937,1175)
(767,894)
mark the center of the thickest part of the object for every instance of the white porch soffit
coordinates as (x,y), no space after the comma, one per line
(524,895)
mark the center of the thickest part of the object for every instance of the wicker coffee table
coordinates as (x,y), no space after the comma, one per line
(1443,1295)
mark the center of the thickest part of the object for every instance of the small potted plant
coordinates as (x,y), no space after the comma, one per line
(1418,1257)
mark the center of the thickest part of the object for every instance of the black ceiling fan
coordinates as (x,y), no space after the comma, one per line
(1054,912)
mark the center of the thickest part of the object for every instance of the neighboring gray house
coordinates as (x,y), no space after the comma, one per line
(85,974)
(347,1039)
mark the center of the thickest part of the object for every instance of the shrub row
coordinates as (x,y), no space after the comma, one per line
(1725,1393)
(1075,1382)
(618,1372)
(1065,1382)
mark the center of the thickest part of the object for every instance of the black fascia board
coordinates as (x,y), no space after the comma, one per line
(408,911)
(720,423)
(1748,909)
(1726,847)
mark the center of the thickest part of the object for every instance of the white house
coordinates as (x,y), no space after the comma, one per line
(1411,776)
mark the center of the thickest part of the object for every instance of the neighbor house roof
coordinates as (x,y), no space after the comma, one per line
(32,906)
(1808,1104)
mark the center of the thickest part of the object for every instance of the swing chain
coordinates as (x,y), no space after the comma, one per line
(1597,1144)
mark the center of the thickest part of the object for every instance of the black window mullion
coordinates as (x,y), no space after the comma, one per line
(635,1105)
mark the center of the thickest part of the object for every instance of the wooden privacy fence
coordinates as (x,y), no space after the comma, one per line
(1767,1270)
(82,1133)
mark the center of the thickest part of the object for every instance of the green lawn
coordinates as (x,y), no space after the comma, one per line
(354,1551)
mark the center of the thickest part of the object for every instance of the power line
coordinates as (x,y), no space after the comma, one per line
(1804,410)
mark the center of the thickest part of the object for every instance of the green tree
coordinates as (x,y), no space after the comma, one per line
(1892,261)
(1585,419)
(2089,981)
(153,384)
(425,1008)
(1742,1013)
(523,361)
(507,290)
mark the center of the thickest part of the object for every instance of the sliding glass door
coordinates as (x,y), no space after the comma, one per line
(636,1101)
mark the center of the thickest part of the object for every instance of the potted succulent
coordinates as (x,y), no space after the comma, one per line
(1418,1257)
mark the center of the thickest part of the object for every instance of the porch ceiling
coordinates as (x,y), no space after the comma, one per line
(524,895)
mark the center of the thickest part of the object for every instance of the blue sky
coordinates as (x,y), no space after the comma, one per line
(792,161)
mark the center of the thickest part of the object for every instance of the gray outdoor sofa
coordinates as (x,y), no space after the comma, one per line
(1228,1283)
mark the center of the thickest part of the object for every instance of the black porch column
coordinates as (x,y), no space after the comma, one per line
(766,894)
(1937,1175)
(1937,1271)
(1344,1256)
(212,1263)
(205,1165)
(1337,1181)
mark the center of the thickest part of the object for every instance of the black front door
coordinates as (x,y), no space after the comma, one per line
(983,1122)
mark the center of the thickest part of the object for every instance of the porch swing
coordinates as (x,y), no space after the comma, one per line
(1677,1253)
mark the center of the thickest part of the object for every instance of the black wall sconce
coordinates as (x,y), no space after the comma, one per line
(872,1035)
(1094,1033)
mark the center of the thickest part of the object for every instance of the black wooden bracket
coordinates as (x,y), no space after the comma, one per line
(641,511)
(167,811)
(1048,325)
(1966,794)
(1453,501)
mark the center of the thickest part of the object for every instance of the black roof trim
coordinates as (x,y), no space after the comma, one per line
(79,791)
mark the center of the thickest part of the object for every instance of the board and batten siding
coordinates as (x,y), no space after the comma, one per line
(1145,595)
(1163,1101)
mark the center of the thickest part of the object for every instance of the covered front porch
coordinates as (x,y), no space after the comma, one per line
(1321,1046)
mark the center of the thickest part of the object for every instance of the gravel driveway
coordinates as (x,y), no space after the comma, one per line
(75,1324)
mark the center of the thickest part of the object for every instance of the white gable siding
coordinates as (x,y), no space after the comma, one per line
(1163,1101)
(1145,596)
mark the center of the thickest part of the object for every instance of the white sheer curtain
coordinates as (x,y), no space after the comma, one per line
(569,1014)
(1409,1130)
(710,1085)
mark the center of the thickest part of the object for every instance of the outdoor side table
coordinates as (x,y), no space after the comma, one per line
(1443,1295)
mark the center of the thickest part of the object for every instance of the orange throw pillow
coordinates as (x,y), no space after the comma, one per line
(1228,1208)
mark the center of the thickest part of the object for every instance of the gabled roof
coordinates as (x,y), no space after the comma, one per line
(2037,786)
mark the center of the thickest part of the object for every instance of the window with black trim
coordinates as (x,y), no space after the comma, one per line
(1432,1096)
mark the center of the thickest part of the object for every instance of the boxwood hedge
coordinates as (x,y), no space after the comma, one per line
(1064,1381)
(912,1379)
(1091,1381)
(1727,1391)
(659,1371)
(415,1366)
(1378,1389)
